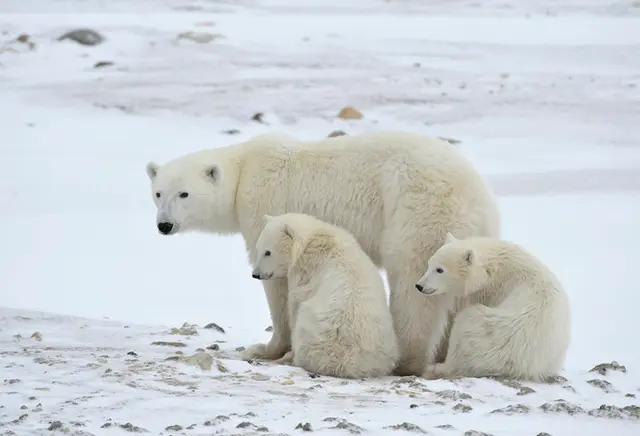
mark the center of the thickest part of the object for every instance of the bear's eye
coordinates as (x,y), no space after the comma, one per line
(184,194)
(267,253)
(157,195)
(439,270)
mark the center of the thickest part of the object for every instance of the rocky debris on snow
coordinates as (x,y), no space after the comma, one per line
(37,336)
(561,406)
(304,427)
(445,427)
(543,434)
(525,390)
(251,425)
(132,353)
(336,133)
(269,329)
(408,427)
(55,425)
(231,132)
(603,368)
(462,408)
(217,420)
(630,395)
(199,37)
(476,433)
(213,325)
(12,381)
(514,384)
(126,427)
(513,409)
(213,347)
(343,424)
(169,344)
(350,113)
(174,427)
(602,384)
(615,412)
(103,64)
(83,36)
(451,394)
(186,330)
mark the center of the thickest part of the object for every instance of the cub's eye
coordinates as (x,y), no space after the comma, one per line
(157,195)
(267,253)
(439,270)
(184,194)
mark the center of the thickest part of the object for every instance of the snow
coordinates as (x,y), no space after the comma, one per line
(543,96)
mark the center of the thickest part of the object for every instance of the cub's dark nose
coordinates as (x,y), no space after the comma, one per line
(419,287)
(165,228)
(255,276)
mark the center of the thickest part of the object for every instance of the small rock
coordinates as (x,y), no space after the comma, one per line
(132,353)
(192,426)
(269,329)
(602,384)
(525,390)
(246,424)
(543,434)
(202,360)
(343,424)
(213,325)
(199,37)
(412,406)
(304,427)
(258,117)
(513,409)
(336,133)
(556,380)
(106,425)
(630,395)
(314,375)
(562,407)
(350,113)
(230,132)
(602,368)
(408,427)
(185,330)
(23,407)
(174,427)
(37,336)
(476,433)
(102,64)
(83,36)
(615,412)
(23,38)
(449,140)
(445,427)
(462,408)
(169,344)
(12,381)
(55,425)
(213,347)
(240,348)
(132,428)
(33,398)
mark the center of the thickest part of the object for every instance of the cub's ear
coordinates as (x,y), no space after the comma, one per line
(449,238)
(288,230)
(213,172)
(152,170)
(266,218)
(469,257)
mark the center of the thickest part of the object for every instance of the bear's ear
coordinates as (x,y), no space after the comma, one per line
(449,238)
(288,231)
(152,170)
(213,172)
(469,256)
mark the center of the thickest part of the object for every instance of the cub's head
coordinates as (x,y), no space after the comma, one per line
(451,269)
(276,248)
(192,195)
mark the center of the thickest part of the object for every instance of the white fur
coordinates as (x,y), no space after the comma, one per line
(521,330)
(397,193)
(340,322)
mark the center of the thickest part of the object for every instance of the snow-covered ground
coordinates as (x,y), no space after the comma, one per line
(543,95)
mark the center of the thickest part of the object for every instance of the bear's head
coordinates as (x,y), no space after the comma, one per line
(277,248)
(452,269)
(193,195)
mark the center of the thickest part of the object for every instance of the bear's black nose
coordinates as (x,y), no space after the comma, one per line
(255,276)
(419,287)
(165,228)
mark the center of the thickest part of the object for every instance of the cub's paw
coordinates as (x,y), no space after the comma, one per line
(287,359)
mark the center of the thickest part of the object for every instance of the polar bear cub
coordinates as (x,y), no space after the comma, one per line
(340,323)
(522,330)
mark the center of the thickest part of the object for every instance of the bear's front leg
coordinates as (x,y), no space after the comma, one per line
(276,291)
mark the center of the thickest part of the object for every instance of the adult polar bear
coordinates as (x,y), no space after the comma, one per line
(398,193)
